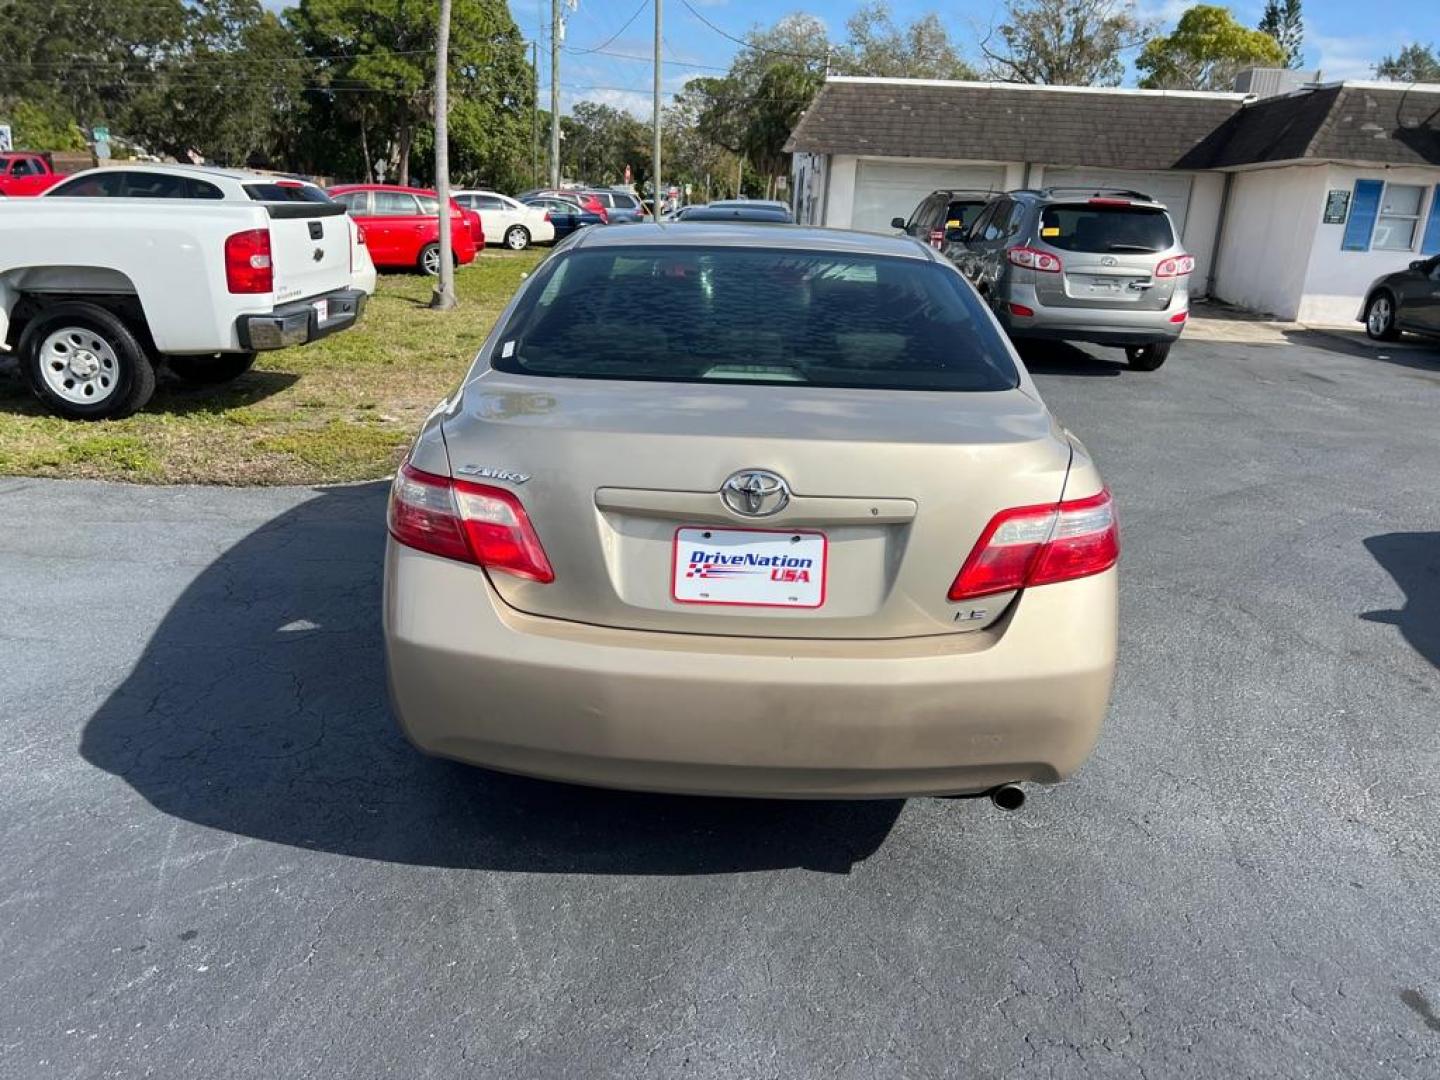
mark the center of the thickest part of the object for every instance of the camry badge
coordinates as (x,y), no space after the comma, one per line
(755,493)
(486,472)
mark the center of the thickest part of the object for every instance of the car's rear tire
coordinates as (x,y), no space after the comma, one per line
(84,363)
(429,261)
(211,370)
(1380,317)
(517,238)
(1147,357)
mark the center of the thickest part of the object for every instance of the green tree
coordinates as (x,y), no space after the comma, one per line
(1064,42)
(785,92)
(374,63)
(600,140)
(1283,22)
(919,50)
(233,94)
(1413,63)
(38,126)
(1205,51)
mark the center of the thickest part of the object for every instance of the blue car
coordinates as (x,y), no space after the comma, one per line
(564,215)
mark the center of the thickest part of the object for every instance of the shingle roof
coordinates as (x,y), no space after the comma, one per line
(1000,122)
(1384,125)
(1366,122)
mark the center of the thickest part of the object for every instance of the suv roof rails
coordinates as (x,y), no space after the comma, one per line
(1129,192)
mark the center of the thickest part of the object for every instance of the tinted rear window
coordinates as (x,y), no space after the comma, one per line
(286,193)
(1097,227)
(961,214)
(749,315)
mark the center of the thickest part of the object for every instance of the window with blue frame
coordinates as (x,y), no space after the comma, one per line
(1389,217)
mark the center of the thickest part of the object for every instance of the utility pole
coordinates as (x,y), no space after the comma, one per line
(535,117)
(444,295)
(554,93)
(659,5)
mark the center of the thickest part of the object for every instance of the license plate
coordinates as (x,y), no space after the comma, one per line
(749,567)
(322,309)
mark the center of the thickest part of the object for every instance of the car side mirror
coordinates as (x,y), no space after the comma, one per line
(1420,264)
(897,223)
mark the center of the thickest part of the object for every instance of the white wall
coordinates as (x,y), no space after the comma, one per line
(840,194)
(1336,281)
(1269,229)
(840,210)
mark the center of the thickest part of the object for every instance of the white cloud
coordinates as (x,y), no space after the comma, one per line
(1346,57)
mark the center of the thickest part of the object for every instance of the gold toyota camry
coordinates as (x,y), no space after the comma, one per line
(751,510)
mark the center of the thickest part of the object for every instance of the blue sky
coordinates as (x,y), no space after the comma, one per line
(1343,37)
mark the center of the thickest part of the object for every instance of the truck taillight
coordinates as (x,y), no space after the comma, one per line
(1031,259)
(248,267)
(1041,545)
(465,521)
(937,238)
(1176,266)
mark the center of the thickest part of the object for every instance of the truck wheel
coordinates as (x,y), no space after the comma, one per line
(430,260)
(211,370)
(84,363)
(1147,357)
(517,238)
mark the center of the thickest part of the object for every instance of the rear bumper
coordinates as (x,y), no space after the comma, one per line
(1099,326)
(300,322)
(475,680)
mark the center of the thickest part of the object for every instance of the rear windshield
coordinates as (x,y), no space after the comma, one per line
(286,193)
(962,214)
(752,315)
(1097,227)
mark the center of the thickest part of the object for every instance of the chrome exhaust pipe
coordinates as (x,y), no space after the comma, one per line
(1008,797)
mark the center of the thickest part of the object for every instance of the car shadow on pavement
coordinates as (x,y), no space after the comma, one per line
(1063,358)
(1413,560)
(1409,352)
(172,396)
(259,708)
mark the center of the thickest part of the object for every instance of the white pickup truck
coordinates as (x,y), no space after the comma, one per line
(117,270)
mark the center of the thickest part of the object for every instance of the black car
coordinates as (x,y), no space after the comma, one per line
(1405,300)
(944,215)
(777,214)
(565,215)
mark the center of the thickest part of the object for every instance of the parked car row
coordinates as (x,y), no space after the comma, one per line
(1098,265)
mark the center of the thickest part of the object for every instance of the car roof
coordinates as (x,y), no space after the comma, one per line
(752,235)
(243,176)
(382,187)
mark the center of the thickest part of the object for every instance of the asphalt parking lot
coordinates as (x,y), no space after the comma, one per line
(218,857)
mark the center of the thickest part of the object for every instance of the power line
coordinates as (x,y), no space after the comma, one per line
(750,45)
(601,47)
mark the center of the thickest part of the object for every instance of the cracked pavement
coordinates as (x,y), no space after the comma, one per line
(219,858)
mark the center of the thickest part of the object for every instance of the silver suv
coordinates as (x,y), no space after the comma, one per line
(1081,264)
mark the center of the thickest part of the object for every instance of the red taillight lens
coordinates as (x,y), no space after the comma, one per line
(1180,316)
(1031,259)
(547,215)
(247,262)
(468,522)
(1041,545)
(1022,311)
(937,237)
(1177,266)
(360,234)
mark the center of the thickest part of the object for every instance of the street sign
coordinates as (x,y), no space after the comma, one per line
(100,134)
(5,140)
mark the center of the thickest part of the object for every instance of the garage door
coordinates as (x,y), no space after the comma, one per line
(1172,189)
(885,189)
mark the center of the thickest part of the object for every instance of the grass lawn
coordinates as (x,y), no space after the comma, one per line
(343,408)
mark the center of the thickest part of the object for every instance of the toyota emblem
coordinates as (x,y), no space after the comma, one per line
(755,493)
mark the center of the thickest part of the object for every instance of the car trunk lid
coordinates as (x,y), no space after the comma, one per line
(623,482)
(1109,250)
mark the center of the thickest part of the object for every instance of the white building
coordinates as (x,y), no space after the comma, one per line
(1290,204)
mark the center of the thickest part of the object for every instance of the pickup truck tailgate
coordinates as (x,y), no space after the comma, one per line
(309,249)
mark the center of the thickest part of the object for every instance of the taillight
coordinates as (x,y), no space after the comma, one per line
(1176,266)
(1031,259)
(547,215)
(360,234)
(1022,311)
(937,237)
(1180,316)
(468,522)
(247,262)
(1041,545)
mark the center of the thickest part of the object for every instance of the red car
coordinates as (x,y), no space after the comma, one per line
(402,226)
(23,173)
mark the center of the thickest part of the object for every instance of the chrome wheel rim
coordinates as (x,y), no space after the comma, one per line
(431,261)
(79,366)
(1379,316)
(516,239)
